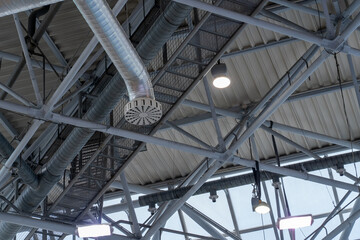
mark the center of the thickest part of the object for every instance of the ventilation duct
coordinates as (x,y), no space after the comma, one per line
(25,172)
(142,109)
(8,7)
(31,198)
(249,178)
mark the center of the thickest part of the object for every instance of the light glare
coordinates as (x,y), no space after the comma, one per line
(96,230)
(262,208)
(295,222)
(221,82)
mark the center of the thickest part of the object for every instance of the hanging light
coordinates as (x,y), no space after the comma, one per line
(262,208)
(259,206)
(294,222)
(95,230)
(221,80)
(256,203)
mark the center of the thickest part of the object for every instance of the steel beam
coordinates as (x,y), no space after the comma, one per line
(355,82)
(346,233)
(36,223)
(28,61)
(313,135)
(190,136)
(232,212)
(183,224)
(300,7)
(306,36)
(132,214)
(213,115)
(335,193)
(347,223)
(35,63)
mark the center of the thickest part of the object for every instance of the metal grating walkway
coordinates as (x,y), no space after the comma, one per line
(181,65)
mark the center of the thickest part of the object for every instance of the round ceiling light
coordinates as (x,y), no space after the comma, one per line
(262,207)
(219,74)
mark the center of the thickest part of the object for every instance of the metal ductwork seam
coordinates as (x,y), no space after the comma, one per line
(248,178)
(9,7)
(142,109)
(30,198)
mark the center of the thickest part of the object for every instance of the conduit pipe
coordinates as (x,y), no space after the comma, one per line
(30,199)
(142,109)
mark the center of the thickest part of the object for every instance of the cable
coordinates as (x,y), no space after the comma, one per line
(335,214)
(262,223)
(345,112)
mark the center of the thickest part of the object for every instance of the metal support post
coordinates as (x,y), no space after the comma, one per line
(221,142)
(135,223)
(353,76)
(336,196)
(346,233)
(347,223)
(28,61)
(330,31)
(183,224)
(232,212)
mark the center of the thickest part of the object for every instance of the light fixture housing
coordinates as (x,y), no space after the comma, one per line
(219,72)
(294,222)
(259,206)
(95,230)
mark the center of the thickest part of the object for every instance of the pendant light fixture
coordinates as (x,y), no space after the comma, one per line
(219,72)
(257,204)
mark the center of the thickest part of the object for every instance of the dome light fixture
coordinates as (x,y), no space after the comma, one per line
(219,72)
(262,207)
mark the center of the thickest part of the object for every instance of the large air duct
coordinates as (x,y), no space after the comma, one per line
(142,109)
(30,199)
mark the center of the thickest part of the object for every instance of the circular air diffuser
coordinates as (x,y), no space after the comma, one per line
(143,111)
